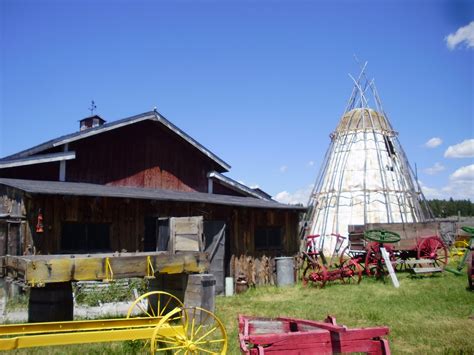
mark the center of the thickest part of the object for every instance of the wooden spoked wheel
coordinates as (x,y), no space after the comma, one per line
(154,304)
(374,262)
(315,273)
(433,248)
(351,272)
(198,332)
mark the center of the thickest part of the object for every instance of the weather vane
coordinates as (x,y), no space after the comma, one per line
(92,108)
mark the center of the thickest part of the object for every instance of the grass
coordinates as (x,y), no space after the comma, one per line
(426,315)
(114,292)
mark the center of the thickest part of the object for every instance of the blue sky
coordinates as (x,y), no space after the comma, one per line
(261,84)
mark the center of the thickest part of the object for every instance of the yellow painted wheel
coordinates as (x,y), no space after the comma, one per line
(198,332)
(151,305)
(154,304)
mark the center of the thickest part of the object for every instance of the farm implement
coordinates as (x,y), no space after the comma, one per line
(290,336)
(419,255)
(157,318)
(318,270)
(465,253)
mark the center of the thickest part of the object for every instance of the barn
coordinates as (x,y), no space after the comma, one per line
(112,186)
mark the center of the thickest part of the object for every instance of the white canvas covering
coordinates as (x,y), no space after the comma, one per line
(365,177)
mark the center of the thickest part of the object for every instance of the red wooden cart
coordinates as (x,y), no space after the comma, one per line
(298,336)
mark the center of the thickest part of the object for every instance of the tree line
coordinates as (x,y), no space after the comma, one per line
(447,208)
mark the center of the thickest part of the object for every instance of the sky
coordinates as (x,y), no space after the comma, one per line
(261,84)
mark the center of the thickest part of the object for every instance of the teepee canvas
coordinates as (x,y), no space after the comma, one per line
(365,176)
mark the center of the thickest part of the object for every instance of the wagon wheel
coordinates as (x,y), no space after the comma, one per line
(316,273)
(153,304)
(345,255)
(374,262)
(198,332)
(433,248)
(351,272)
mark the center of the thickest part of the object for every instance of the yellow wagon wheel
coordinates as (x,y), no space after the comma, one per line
(154,304)
(200,332)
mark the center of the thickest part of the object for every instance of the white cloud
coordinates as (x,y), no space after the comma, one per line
(433,142)
(310,163)
(465,173)
(299,196)
(435,169)
(283,169)
(463,34)
(430,192)
(464,149)
(460,186)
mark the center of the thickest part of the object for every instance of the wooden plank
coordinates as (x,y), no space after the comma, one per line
(13,239)
(390,268)
(426,270)
(39,269)
(186,233)
(415,262)
(3,238)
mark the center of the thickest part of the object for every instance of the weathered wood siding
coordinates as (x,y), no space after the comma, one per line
(127,227)
(144,154)
(15,236)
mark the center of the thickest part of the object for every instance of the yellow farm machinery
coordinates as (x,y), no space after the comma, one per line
(157,318)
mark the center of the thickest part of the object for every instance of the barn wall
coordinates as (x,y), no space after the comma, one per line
(223,190)
(46,171)
(127,216)
(15,234)
(143,155)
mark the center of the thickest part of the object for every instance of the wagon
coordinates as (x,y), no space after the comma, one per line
(299,336)
(420,250)
(157,318)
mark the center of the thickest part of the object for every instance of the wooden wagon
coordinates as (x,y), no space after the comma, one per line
(299,336)
(420,248)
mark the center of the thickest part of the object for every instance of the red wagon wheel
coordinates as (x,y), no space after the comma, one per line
(433,248)
(315,273)
(351,272)
(374,262)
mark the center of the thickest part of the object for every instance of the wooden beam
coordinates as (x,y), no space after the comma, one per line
(37,270)
(38,159)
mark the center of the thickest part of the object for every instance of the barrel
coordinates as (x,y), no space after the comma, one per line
(285,270)
(51,303)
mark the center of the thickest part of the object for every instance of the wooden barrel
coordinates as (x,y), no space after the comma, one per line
(51,303)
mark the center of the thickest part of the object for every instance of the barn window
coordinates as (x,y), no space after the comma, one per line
(268,238)
(85,237)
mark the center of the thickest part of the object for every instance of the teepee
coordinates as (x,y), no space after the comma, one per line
(365,176)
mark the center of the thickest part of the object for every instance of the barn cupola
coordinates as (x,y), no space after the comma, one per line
(91,122)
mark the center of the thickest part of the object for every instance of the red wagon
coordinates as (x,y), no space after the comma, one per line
(299,336)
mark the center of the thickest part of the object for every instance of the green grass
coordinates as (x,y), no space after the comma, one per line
(427,315)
